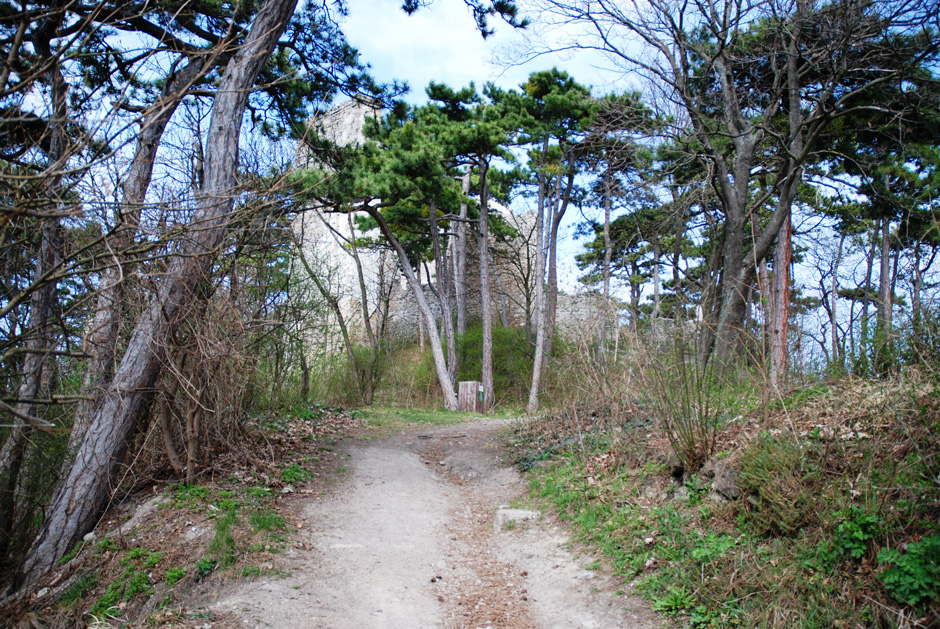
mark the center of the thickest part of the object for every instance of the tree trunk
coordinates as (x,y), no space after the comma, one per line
(443,297)
(783,251)
(361,372)
(461,270)
(866,300)
(42,300)
(551,300)
(486,305)
(706,312)
(85,492)
(304,374)
(657,286)
(535,386)
(102,338)
(363,292)
(780,327)
(837,353)
(602,329)
(885,306)
(500,293)
(767,306)
(440,363)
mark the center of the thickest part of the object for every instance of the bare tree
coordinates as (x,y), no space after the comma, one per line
(440,362)
(744,98)
(86,490)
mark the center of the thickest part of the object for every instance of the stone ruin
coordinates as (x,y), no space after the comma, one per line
(324,237)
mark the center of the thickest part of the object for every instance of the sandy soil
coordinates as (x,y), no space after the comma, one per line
(407,540)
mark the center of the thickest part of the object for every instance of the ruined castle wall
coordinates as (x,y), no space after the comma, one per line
(512,283)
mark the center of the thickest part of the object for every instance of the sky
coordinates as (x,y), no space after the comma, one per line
(440,43)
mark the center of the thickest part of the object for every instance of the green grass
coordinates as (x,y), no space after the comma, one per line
(259,493)
(816,522)
(71,554)
(393,418)
(266,520)
(222,548)
(250,572)
(174,576)
(78,589)
(294,474)
(190,496)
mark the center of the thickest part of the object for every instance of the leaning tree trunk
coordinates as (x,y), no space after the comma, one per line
(85,492)
(102,338)
(440,363)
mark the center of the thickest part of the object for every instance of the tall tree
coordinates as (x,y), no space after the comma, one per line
(477,135)
(751,80)
(87,488)
(550,116)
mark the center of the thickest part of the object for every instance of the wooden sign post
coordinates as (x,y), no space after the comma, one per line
(470,396)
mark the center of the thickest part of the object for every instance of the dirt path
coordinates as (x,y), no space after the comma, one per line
(408,541)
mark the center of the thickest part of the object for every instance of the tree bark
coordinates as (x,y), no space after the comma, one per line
(363,374)
(363,292)
(440,363)
(85,492)
(783,252)
(487,306)
(539,278)
(885,305)
(602,329)
(461,270)
(837,353)
(102,337)
(443,297)
(866,300)
(500,293)
(42,300)
(551,300)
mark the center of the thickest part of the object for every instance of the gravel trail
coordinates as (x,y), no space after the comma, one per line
(407,540)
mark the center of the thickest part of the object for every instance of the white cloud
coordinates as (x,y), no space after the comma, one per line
(440,43)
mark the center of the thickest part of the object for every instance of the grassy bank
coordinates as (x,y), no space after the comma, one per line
(835,525)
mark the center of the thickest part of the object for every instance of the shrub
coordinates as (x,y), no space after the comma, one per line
(512,361)
(853,536)
(914,576)
(686,397)
(773,470)
(204,568)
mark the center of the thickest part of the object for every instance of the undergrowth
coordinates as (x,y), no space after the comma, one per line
(232,526)
(838,523)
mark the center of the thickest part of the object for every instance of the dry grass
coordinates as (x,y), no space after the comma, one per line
(244,494)
(831,475)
